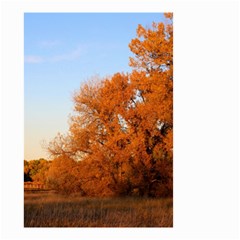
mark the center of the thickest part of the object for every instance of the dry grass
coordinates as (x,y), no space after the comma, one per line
(48,209)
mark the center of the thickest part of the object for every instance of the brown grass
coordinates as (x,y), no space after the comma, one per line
(48,209)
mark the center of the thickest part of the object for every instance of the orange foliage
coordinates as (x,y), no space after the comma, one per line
(121,134)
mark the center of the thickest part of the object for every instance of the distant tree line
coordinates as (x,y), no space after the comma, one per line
(36,170)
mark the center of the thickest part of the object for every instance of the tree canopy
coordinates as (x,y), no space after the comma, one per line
(120,138)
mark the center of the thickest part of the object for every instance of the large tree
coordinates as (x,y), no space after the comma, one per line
(122,127)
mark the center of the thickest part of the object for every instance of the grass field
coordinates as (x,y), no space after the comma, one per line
(48,209)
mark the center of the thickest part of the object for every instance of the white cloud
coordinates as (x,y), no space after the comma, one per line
(33,59)
(70,56)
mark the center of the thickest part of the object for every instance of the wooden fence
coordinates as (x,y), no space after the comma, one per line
(34,186)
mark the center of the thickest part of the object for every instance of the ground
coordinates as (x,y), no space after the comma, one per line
(49,209)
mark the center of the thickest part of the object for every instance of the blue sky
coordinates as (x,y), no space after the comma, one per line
(63,50)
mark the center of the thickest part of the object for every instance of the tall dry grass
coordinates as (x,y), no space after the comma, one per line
(54,210)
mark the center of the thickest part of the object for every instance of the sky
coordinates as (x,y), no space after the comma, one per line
(61,52)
